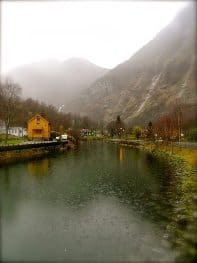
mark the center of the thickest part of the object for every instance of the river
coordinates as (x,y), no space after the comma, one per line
(100,203)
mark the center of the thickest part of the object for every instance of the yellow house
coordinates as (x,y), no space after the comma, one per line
(38,128)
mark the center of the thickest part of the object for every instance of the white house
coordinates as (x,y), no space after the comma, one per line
(2,127)
(17,131)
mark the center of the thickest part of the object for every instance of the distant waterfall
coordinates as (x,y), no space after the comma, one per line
(183,85)
(154,82)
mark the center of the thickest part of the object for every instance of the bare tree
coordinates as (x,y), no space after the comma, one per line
(9,95)
(178,113)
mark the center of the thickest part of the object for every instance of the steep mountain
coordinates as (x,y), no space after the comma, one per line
(56,82)
(150,82)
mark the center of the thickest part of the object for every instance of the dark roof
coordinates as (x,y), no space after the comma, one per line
(38,114)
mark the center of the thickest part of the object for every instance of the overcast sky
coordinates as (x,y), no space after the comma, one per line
(106,33)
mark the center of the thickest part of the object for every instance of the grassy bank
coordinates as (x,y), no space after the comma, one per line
(187,154)
(11,139)
(182,230)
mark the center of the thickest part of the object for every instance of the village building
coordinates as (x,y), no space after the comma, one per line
(17,131)
(38,127)
(2,127)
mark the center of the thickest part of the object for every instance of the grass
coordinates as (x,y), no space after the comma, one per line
(188,154)
(181,230)
(11,139)
(92,137)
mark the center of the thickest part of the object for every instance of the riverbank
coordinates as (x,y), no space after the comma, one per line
(31,150)
(181,232)
(183,151)
(186,151)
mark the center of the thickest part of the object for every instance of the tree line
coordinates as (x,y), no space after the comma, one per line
(175,125)
(16,111)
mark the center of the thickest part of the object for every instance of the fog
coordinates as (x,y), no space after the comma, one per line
(105,32)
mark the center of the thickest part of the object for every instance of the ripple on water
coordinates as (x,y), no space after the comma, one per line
(99,203)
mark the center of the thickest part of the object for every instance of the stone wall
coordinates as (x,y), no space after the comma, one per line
(9,156)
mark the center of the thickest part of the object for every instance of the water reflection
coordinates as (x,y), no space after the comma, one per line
(102,202)
(6,177)
(38,168)
(121,154)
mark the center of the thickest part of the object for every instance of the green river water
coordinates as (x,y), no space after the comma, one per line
(100,203)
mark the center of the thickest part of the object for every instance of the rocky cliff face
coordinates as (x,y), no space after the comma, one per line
(150,82)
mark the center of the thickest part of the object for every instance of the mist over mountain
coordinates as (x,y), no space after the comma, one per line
(149,83)
(140,89)
(56,82)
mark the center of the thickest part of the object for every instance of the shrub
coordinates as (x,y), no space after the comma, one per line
(193,135)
